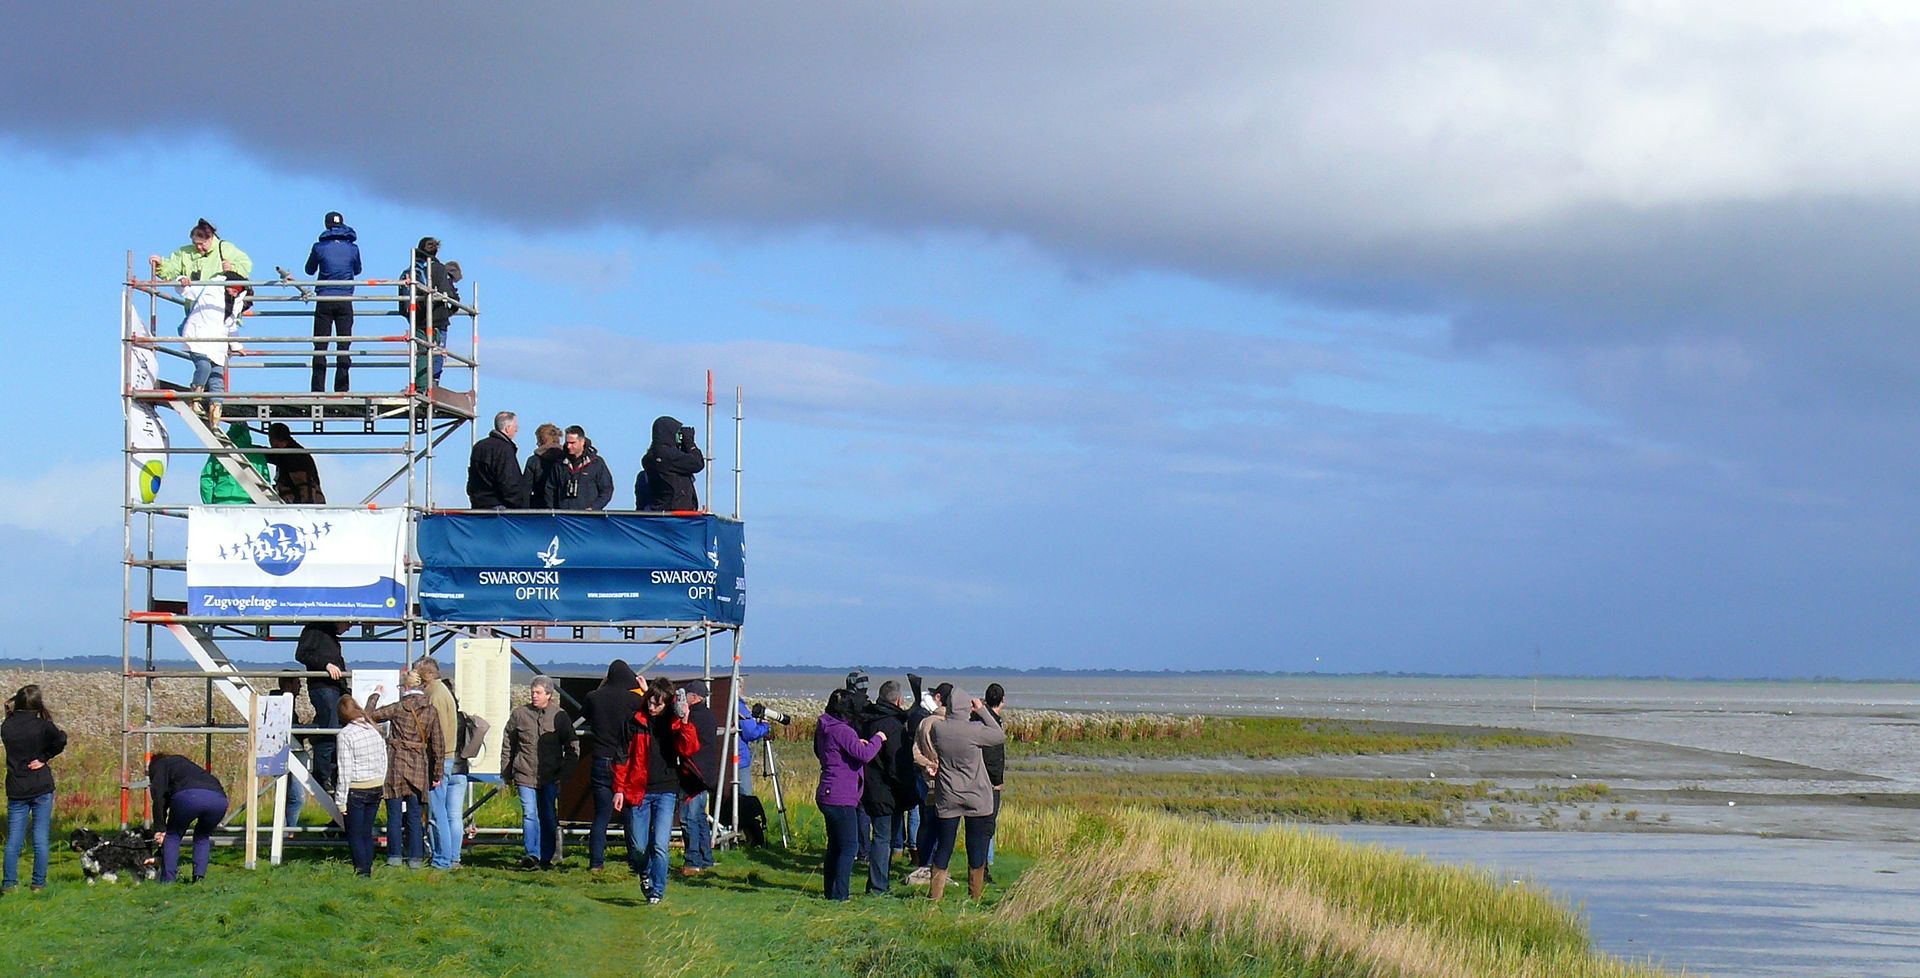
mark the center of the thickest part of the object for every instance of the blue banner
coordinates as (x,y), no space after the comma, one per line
(504,566)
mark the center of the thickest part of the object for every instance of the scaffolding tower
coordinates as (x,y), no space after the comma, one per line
(391,422)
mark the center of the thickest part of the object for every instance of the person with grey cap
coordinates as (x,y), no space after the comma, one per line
(535,754)
(335,258)
(698,831)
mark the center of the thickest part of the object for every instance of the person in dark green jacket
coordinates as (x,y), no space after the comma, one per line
(217,485)
(203,259)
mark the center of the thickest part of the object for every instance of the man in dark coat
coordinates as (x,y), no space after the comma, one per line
(319,651)
(669,467)
(582,479)
(494,477)
(335,257)
(889,785)
(693,810)
(295,478)
(609,713)
(543,466)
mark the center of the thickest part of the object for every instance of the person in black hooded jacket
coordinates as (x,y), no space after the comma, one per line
(609,713)
(666,472)
(543,464)
(889,785)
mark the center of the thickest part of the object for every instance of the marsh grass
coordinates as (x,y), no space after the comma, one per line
(1293,899)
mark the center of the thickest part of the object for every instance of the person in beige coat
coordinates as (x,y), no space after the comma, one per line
(961,788)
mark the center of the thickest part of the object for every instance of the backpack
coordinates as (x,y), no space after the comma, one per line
(470,732)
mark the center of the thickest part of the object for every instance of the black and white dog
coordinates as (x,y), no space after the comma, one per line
(126,852)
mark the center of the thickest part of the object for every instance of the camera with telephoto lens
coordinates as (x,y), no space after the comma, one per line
(762,711)
(687,439)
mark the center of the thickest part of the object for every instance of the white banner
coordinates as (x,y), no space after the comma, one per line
(148,435)
(483,680)
(295,562)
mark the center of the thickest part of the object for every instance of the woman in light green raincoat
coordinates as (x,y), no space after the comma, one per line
(204,259)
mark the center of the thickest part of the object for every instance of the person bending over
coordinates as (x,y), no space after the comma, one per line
(184,796)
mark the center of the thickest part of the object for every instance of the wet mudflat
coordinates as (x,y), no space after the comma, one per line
(1726,905)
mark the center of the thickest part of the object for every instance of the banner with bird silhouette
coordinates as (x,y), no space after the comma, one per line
(588,568)
(295,562)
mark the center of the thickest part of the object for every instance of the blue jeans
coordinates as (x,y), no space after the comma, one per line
(540,821)
(447,820)
(880,852)
(201,809)
(652,820)
(19,810)
(698,831)
(906,827)
(926,840)
(296,799)
(842,840)
(746,781)
(404,835)
(208,375)
(362,805)
(602,815)
(326,713)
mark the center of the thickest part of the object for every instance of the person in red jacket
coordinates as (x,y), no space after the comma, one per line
(647,784)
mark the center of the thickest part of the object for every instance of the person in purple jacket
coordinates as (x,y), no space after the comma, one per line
(843,761)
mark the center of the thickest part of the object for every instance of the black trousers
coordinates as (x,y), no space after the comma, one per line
(336,318)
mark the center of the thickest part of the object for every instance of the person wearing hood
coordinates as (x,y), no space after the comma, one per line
(889,779)
(203,258)
(666,482)
(494,477)
(843,760)
(335,258)
(543,466)
(931,708)
(217,485)
(609,713)
(961,787)
(582,479)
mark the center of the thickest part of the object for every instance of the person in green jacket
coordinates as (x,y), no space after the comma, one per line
(206,257)
(217,485)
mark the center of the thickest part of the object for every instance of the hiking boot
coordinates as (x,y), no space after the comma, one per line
(652,900)
(528,862)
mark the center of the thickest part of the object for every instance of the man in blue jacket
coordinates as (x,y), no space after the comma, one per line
(335,257)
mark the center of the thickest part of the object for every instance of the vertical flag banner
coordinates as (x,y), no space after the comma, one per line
(149,435)
(483,680)
(295,562)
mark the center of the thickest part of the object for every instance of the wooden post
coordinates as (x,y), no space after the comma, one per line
(279,819)
(252,846)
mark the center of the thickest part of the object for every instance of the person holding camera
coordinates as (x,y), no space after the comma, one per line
(666,482)
(581,480)
(649,783)
(843,761)
(961,788)
(889,786)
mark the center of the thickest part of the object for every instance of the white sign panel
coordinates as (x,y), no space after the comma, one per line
(275,731)
(367,682)
(483,679)
(295,562)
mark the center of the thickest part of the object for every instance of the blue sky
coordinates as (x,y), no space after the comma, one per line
(1196,338)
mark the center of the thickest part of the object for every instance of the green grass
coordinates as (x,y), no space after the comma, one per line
(1267,737)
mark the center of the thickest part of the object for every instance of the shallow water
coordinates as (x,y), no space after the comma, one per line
(1721,905)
